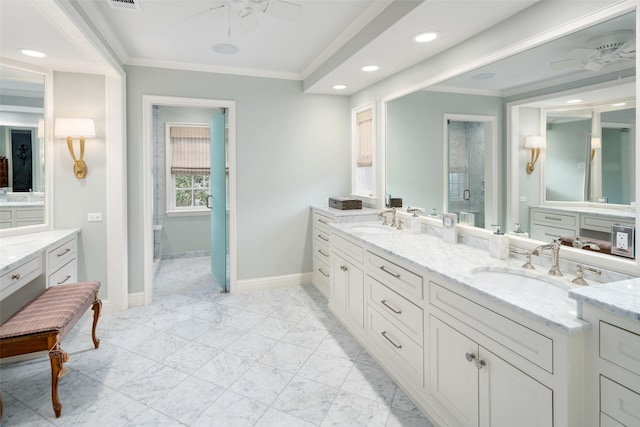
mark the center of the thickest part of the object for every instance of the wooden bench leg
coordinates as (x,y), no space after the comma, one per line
(58,358)
(97,308)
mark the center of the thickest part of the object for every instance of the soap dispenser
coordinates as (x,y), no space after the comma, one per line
(499,244)
(414,222)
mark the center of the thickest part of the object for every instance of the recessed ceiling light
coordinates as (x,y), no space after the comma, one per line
(225,48)
(619,104)
(428,36)
(339,87)
(369,68)
(483,76)
(31,52)
(574,101)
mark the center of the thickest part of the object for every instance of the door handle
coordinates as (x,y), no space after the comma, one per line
(466,194)
(209,196)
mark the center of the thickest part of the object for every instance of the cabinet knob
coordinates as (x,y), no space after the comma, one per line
(480,364)
(470,357)
(344,268)
(15,276)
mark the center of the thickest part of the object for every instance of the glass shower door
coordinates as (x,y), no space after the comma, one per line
(218,194)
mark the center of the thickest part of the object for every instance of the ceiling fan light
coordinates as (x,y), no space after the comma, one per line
(247,19)
(282,9)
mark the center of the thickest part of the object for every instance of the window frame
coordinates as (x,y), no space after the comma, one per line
(170,189)
(369,196)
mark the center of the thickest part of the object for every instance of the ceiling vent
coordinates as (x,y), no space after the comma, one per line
(125,4)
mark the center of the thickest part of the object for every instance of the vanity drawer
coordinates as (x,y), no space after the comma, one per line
(401,353)
(64,275)
(28,214)
(321,275)
(546,233)
(5,215)
(599,223)
(20,276)
(620,347)
(620,403)
(347,247)
(321,248)
(61,254)
(396,307)
(320,223)
(394,276)
(554,218)
(518,338)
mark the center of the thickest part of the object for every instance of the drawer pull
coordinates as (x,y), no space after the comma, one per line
(322,271)
(395,310)
(384,334)
(323,253)
(15,276)
(396,275)
(323,238)
(553,218)
(344,268)
(470,357)
(65,279)
(557,236)
(323,221)
(67,250)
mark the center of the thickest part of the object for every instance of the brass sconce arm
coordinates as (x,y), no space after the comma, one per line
(535,153)
(534,143)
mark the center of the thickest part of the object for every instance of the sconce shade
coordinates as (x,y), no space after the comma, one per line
(534,143)
(596,142)
(75,128)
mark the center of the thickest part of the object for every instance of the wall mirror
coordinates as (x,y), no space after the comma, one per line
(22,148)
(532,79)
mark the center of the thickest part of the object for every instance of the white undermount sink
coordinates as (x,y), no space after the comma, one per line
(371,229)
(516,281)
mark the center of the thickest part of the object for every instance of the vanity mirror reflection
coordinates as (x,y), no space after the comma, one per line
(518,90)
(22,148)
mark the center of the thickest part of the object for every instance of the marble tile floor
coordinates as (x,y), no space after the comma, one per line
(196,357)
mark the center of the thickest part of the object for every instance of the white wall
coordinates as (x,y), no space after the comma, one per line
(293,150)
(82,96)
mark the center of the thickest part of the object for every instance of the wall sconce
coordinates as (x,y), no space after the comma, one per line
(535,143)
(76,128)
(596,143)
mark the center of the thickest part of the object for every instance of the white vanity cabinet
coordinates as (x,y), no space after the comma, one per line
(547,225)
(62,263)
(481,389)
(347,281)
(321,239)
(612,369)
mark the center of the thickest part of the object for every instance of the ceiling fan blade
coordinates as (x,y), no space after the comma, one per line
(581,53)
(248,19)
(594,66)
(566,63)
(282,9)
(627,48)
(211,9)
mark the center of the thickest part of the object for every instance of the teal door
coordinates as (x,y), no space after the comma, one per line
(218,204)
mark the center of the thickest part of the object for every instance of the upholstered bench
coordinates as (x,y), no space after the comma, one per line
(42,323)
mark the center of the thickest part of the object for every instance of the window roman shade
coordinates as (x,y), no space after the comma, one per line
(364,121)
(189,150)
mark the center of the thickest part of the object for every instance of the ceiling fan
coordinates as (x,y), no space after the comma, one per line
(607,49)
(247,11)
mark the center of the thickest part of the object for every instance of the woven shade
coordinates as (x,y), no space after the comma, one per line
(189,150)
(364,121)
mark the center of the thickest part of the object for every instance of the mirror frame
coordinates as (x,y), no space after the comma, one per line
(628,266)
(48,151)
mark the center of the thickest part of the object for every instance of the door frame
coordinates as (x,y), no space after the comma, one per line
(148,101)
(491,163)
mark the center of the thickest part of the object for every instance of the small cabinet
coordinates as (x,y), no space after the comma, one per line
(347,280)
(479,388)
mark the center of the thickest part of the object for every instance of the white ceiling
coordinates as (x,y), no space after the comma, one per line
(328,43)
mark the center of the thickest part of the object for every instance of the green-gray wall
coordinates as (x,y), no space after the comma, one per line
(293,150)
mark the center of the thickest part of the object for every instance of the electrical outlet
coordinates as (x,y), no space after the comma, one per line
(94,217)
(622,240)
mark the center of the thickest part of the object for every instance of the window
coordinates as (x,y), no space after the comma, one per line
(363,151)
(188,167)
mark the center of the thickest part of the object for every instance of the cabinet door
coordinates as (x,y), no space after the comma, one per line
(453,373)
(338,277)
(355,294)
(509,397)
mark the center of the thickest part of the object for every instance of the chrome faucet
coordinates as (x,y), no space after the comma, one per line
(554,247)
(384,213)
(579,244)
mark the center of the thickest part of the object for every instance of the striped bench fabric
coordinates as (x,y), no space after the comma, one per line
(42,323)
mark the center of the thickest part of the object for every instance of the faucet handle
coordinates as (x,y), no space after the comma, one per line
(579,280)
(527,265)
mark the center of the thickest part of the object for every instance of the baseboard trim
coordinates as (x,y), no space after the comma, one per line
(273,282)
(136,299)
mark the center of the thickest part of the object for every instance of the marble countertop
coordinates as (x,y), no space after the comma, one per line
(20,204)
(457,262)
(598,211)
(15,250)
(621,298)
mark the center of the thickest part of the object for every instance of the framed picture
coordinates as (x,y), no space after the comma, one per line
(623,240)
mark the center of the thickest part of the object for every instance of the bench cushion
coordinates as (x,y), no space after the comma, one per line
(52,310)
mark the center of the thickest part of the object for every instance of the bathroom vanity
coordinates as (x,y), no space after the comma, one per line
(469,351)
(30,263)
(322,216)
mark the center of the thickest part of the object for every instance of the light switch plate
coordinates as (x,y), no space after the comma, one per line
(94,217)
(622,240)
